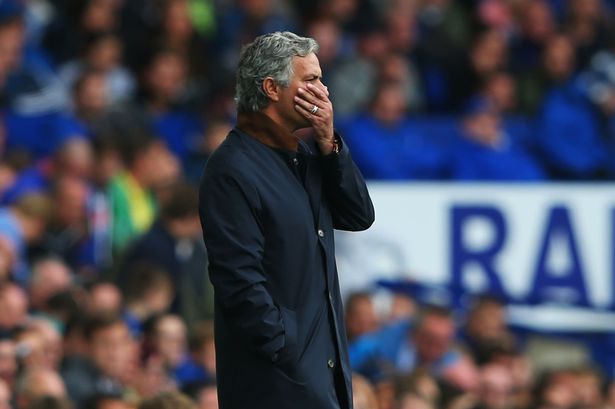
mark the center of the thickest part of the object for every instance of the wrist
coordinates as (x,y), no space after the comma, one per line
(329,145)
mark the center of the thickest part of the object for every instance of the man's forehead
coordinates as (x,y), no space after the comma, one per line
(307,63)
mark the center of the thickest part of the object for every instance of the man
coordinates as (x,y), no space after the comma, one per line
(174,244)
(5,395)
(36,383)
(486,150)
(168,400)
(269,204)
(112,358)
(23,223)
(426,343)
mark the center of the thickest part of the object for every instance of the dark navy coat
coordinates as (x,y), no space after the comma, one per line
(268,228)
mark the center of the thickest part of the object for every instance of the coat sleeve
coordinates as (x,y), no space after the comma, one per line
(346,191)
(230,219)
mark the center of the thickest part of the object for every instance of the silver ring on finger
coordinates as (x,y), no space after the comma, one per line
(314,110)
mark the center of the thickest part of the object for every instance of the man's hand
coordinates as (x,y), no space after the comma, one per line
(322,120)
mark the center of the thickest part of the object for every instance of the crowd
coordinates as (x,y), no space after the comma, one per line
(411,356)
(109,109)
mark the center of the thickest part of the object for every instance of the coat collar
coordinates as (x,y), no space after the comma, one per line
(262,128)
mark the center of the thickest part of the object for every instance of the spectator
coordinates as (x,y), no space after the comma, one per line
(403,347)
(102,54)
(167,335)
(569,139)
(484,151)
(495,389)
(49,402)
(7,259)
(589,388)
(68,234)
(353,82)
(501,89)
(24,223)
(112,360)
(148,291)
(37,383)
(445,33)
(588,24)
(13,307)
(411,400)
(148,165)
(485,325)
(177,32)
(556,390)
(537,24)
(200,367)
(488,55)
(91,99)
(364,396)
(170,400)
(8,361)
(104,298)
(108,401)
(361,316)
(49,277)
(174,243)
(72,157)
(398,70)
(29,84)
(5,395)
(167,99)
(39,345)
(403,307)
(334,45)
(66,35)
(557,65)
(386,131)
(207,397)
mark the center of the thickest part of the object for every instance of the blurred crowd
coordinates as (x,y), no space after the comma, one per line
(413,356)
(109,109)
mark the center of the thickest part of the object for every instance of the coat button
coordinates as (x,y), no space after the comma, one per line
(321,233)
(330,363)
(330,297)
(295,161)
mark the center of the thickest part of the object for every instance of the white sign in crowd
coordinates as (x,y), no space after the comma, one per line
(549,249)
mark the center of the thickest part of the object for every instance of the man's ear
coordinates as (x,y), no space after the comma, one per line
(271,89)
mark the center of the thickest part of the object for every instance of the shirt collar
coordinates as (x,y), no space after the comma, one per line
(265,130)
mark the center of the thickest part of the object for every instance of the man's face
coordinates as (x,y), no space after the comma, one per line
(433,338)
(8,361)
(171,340)
(362,319)
(5,396)
(113,351)
(114,404)
(305,70)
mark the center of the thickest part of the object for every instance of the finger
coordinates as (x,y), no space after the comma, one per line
(309,98)
(319,93)
(306,113)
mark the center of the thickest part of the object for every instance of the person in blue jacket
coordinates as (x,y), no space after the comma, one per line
(386,144)
(484,151)
(408,345)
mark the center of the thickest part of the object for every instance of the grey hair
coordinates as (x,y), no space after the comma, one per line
(269,55)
